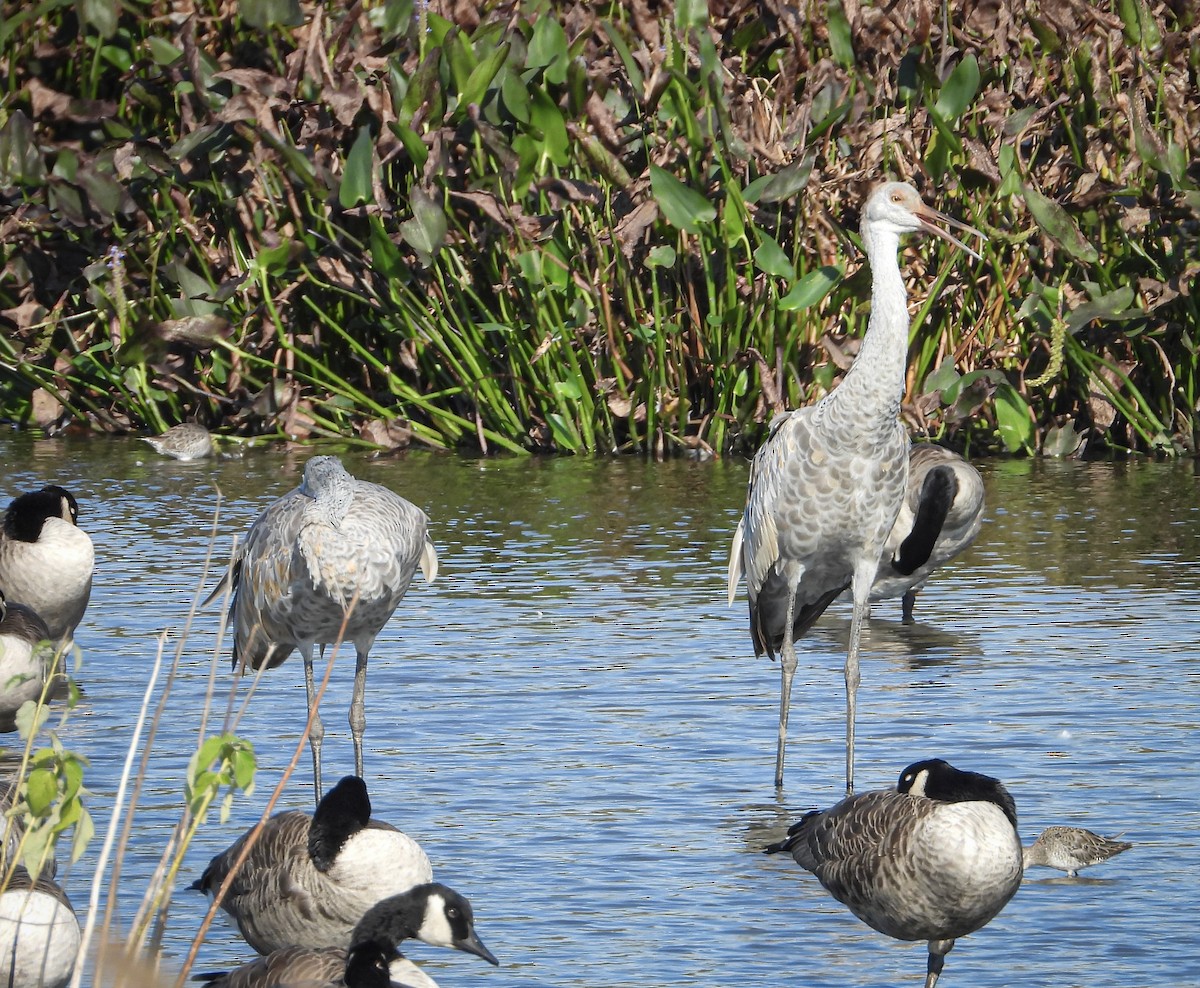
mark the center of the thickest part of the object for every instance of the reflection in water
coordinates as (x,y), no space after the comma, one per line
(574,726)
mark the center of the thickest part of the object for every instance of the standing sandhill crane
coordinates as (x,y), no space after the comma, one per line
(940,516)
(328,561)
(1070,849)
(46,559)
(934,859)
(826,487)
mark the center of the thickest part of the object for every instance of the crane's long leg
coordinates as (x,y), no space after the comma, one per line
(358,712)
(787,669)
(317,732)
(861,589)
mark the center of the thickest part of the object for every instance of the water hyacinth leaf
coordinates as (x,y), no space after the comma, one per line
(662,256)
(386,259)
(959,90)
(942,378)
(423,85)
(1013,419)
(359,171)
(1062,440)
(771,259)
(101,15)
(841,42)
(1017,121)
(418,150)
(811,288)
(568,389)
(1046,35)
(105,194)
(162,51)
(515,95)
(1057,222)
(741,383)
(458,54)
(548,50)
(482,75)
(563,431)
(684,208)
(784,184)
(266,13)
(1140,25)
(1114,306)
(20,161)
(426,231)
(691,14)
(547,118)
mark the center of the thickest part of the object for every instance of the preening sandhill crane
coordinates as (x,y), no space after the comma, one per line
(826,487)
(940,516)
(337,552)
(934,859)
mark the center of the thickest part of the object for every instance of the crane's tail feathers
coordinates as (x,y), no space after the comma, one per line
(429,563)
(219,589)
(735,560)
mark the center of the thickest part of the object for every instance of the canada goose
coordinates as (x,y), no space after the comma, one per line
(934,859)
(335,551)
(1071,848)
(939,518)
(39,934)
(433,913)
(26,657)
(46,560)
(309,879)
(827,485)
(372,965)
(186,441)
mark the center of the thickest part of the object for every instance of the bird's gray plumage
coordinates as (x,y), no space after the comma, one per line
(186,441)
(826,487)
(39,932)
(308,880)
(26,660)
(935,859)
(46,560)
(335,551)
(1071,848)
(940,516)
(430,912)
(324,967)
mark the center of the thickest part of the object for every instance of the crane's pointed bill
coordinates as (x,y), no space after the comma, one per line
(930,217)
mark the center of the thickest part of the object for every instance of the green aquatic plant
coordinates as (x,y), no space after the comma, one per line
(574,227)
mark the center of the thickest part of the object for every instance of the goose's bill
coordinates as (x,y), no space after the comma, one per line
(930,217)
(473,945)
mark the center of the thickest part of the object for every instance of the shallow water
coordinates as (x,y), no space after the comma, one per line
(575,727)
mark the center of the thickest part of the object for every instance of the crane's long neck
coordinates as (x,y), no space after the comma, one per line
(868,398)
